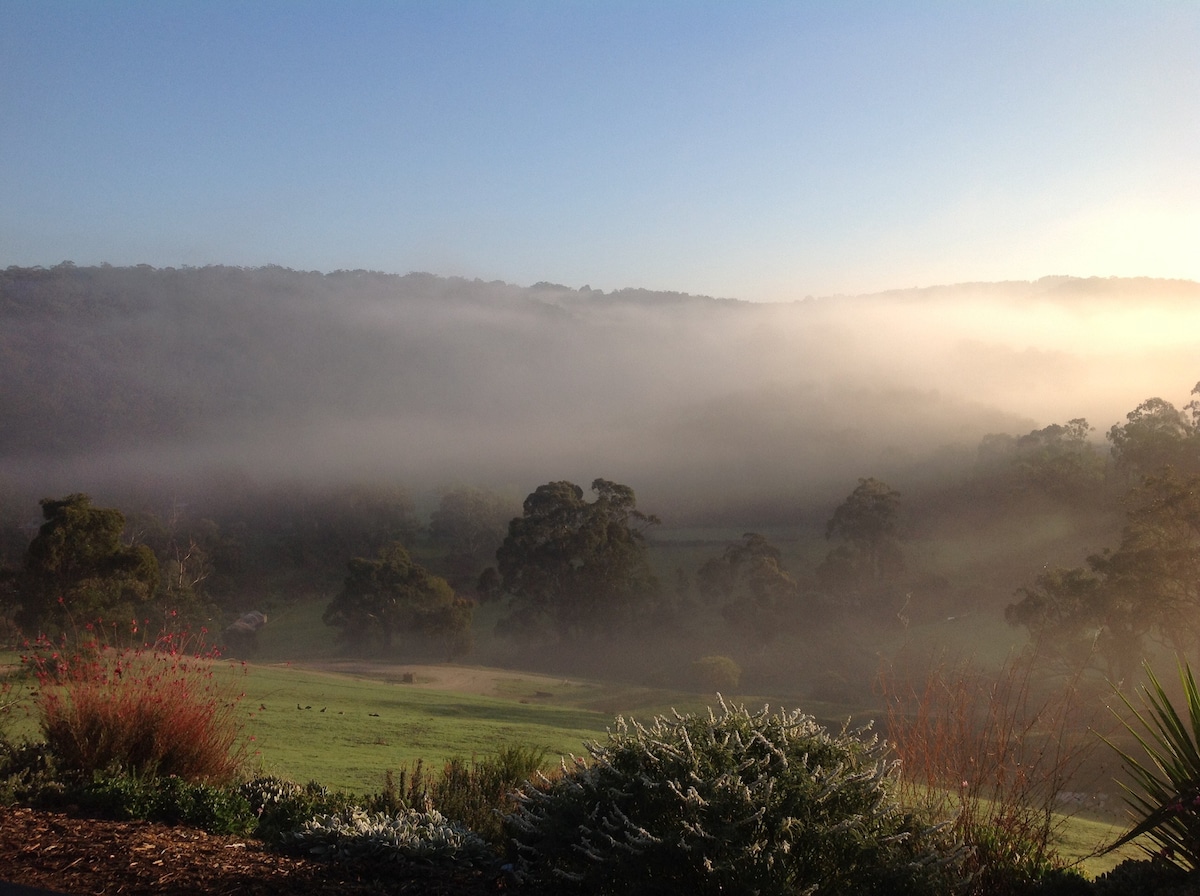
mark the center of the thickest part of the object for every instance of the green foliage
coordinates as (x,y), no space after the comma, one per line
(477,793)
(469,524)
(1065,612)
(578,567)
(767,803)
(27,771)
(1157,435)
(171,800)
(282,806)
(755,593)
(77,565)
(867,525)
(1165,793)
(393,593)
(1149,587)
(718,673)
(1153,877)
(1057,460)
(355,835)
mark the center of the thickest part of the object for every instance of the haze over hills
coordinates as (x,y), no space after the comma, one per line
(166,377)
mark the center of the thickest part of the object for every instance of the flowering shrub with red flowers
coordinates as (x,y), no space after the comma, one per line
(117,698)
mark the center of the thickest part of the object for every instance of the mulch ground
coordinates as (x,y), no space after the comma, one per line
(85,856)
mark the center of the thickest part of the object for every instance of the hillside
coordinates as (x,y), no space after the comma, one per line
(172,376)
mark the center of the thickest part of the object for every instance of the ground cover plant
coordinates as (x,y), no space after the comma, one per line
(355,835)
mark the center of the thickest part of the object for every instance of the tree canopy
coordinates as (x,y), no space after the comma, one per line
(1059,461)
(866,523)
(755,592)
(1155,435)
(470,523)
(77,566)
(576,567)
(1148,587)
(391,594)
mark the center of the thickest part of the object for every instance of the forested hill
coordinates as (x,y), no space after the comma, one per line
(111,372)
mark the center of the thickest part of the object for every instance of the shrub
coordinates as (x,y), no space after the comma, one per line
(355,835)
(1165,794)
(170,800)
(27,773)
(282,807)
(767,803)
(476,793)
(719,673)
(162,708)
(993,751)
(1153,877)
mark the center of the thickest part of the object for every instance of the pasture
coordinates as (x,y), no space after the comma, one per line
(375,720)
(345,724)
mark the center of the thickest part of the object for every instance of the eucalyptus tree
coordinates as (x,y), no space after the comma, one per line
(576,568)
(77,568)
(391,594)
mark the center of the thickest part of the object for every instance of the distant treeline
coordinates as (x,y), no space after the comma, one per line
(118,378)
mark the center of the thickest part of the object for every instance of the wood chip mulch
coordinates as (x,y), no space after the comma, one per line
(85,856)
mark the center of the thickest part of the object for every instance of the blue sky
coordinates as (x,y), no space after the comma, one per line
(764,151)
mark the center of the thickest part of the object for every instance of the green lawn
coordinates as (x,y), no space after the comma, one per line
(371,726)
(368,727)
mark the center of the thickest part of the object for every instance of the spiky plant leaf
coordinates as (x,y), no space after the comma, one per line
(1165,796)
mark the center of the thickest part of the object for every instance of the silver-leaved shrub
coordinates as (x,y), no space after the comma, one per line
(411,836)
(736,802)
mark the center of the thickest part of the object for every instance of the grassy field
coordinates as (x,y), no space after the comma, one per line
(346,731)
(358,728)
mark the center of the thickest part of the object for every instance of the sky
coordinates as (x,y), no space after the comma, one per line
(755,150)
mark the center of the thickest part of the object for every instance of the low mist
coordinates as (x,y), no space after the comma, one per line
(119,377)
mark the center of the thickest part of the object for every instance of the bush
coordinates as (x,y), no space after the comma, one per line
(476,793)
(479,793)
(355,835)
(282,807)
(718,673)
(27,773)
(993,751)
(170,800)
(163,708)
(1146,878)
(767,803)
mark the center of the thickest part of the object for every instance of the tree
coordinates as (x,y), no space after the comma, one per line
(470,524)
(1149,587)
(184,548)
(1068,616)
(1156,435)
(578,567)
(77,566)
(391,594)
(748,580)
(1059,461)
(866,523)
